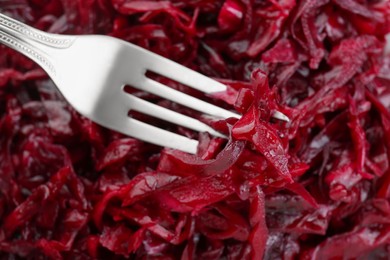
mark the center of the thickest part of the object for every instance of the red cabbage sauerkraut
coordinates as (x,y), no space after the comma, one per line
(317,187)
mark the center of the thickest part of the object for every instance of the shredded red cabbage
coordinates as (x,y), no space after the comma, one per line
(317,187)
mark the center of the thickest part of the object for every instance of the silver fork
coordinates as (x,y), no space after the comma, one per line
(91,72)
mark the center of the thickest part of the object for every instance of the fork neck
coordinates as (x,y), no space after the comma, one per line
(35,44)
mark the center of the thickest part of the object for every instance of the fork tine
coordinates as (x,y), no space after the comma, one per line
(155,135)
(179,73)
(279,115)
(148,108)
(161,90)
(191,78)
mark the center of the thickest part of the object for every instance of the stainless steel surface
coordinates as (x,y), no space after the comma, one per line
(91,72)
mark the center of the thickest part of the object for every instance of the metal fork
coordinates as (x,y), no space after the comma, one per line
(91,72)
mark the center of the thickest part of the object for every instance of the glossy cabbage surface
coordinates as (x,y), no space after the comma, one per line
(317,187)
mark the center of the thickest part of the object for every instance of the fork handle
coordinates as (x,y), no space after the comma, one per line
(31,42)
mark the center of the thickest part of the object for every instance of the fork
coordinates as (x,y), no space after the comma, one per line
(91,72)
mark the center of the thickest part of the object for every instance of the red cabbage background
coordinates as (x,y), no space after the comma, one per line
(317,187)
